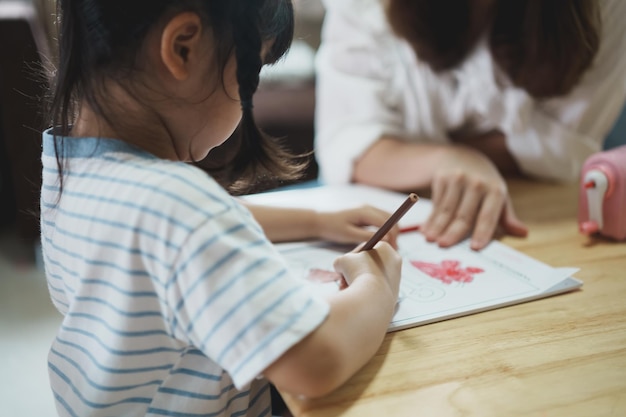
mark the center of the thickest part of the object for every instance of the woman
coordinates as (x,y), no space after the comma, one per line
(455,94)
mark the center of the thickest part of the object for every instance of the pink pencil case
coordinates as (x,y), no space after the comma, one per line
(602,197)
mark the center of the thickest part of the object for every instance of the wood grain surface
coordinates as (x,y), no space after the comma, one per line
(560,356)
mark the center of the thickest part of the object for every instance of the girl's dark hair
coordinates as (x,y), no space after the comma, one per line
(251,157)
(100,39)
(543,46)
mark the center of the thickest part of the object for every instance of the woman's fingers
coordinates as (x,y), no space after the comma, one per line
(470,207)
(469,196)
(465,217)
(443,211)
(488,217)
(511,223)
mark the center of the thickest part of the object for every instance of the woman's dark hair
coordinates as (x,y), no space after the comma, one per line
(543,46)
(99,40)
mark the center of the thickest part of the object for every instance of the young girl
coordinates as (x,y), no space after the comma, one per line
(174,301)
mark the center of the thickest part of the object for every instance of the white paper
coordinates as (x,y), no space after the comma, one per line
(437,283)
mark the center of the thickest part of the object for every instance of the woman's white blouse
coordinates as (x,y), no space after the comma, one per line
(370,83)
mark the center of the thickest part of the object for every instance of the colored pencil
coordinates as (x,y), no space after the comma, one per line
(413,228)
(392,221)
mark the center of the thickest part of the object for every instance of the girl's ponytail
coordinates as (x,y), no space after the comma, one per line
(258,157)
(66,78)
(69,68)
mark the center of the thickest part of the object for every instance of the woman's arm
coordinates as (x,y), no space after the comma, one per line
(356,101)
(469,194)
(399,165)
(493,146)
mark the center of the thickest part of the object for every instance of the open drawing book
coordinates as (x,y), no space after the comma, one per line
(437,284)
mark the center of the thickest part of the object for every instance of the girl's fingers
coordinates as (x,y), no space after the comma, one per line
(381,218)
(360,234)
(366,222)
(355,225)
(372,216)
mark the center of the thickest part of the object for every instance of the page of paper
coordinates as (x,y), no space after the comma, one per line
(437,283)
(442,283)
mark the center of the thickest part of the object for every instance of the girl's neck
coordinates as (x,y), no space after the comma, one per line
(127,120)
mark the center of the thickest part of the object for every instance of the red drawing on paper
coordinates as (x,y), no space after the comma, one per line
(448,271)
(323,275)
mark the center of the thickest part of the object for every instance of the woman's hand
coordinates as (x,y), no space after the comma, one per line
(469,196)
(354,225)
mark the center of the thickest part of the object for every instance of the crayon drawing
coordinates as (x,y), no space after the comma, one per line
(448,271)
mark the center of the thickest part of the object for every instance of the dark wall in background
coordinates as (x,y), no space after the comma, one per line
(20,124)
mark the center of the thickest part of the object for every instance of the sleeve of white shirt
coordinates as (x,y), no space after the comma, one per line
(357,103)
(354,100)
(552,139)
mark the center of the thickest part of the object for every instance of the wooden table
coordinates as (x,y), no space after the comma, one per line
(560,356)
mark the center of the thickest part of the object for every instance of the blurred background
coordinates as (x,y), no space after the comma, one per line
(284,107)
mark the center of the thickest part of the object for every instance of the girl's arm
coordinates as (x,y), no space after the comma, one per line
(344,226)
(352,332)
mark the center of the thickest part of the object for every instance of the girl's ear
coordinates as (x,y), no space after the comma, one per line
(180,44)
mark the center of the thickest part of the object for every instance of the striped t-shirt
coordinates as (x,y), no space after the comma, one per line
(174,301)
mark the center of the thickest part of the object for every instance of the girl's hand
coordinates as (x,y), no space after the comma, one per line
(383,261)
(469,196)
(354,225)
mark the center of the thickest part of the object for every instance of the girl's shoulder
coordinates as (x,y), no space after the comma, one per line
(189,182)
(183,194)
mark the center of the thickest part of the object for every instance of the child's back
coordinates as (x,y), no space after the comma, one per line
(148,258)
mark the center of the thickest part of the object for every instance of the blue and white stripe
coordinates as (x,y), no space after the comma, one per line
(173,299)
